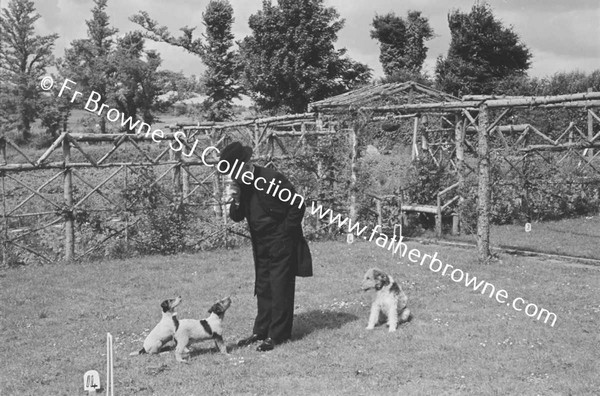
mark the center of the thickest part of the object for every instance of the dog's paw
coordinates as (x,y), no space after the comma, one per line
(370,327)
(391,330)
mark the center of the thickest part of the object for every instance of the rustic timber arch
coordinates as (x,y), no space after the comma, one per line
(478,129)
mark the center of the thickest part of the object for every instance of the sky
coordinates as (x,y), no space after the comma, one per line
(563,35)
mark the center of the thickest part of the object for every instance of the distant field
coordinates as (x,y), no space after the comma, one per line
(54,320)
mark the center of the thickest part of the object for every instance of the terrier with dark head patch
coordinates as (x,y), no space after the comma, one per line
(192,330)
(162,334)
(390,300)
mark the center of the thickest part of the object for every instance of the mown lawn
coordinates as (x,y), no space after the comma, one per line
(54,321)
(572,237)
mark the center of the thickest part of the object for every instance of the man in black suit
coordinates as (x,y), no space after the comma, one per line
(274,211)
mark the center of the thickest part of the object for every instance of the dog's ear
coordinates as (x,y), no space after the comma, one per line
(381,279)
(165,305)
(216,308)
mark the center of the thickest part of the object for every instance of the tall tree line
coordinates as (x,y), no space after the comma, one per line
(288,60)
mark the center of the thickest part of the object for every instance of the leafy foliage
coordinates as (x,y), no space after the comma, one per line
(290,60)
(425,179)
(402,42)
(482,52)
(24,57)
(137,85)
(115,69)
(87,61)
(159,33)
(220,80)
(54,114)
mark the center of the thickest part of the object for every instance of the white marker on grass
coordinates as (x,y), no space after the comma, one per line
(91,381)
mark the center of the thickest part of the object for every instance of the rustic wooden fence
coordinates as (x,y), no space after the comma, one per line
(44,196)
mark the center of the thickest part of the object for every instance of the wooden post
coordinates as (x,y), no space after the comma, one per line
(353,155)
(256,153)
(379,214)
(3,149)
(302,138)
(176,155)
(5,240)
(459,140)
(68,197)
(590,125)
(415,145)
(455,224)
(438,218)
(483,189)
(126,210)
(403,217)
(185,176)
(217,187)
(225,212)
(319,126)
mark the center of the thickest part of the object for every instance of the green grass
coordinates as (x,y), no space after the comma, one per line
(571,237)
(55,318)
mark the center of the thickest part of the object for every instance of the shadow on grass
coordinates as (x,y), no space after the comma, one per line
(208,347)
(304,324)
(307,322)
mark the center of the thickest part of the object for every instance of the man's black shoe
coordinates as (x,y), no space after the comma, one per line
(267,345)
(250,340)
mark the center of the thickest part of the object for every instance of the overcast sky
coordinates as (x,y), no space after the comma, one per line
(563,35)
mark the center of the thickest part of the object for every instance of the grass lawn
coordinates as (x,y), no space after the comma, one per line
(55,318)
(573,237)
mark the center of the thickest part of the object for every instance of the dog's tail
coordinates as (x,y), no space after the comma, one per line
(140,352)
(405,315)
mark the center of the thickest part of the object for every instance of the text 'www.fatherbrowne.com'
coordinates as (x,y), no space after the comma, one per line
(397,246)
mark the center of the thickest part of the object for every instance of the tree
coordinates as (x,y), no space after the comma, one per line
(24,57)
(402,42)
(121,71)
(137,84)
(54,113)
(220,79)
(88,61)
(482,52)
(290,60)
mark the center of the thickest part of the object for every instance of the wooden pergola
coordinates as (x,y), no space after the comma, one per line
(82,172)
(466,124)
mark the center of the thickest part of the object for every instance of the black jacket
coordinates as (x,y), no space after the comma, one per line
(288,215)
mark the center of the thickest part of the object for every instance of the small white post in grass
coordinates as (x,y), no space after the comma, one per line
(109,365)
(91,382)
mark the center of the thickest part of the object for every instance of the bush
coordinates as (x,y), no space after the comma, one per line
(425,179)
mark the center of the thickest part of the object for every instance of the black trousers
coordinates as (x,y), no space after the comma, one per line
(275,260)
